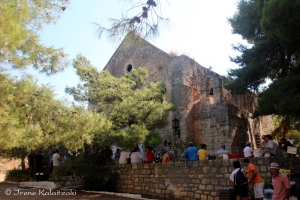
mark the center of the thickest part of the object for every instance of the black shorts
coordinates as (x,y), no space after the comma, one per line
(241,190)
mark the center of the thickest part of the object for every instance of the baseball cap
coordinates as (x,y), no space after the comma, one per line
(274,165)
(247,143)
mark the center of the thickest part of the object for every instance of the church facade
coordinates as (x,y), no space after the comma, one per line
(206,111)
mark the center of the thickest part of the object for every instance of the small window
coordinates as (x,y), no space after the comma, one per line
(129,68)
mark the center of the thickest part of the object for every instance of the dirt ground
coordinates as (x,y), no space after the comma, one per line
(7,165)
(14,192)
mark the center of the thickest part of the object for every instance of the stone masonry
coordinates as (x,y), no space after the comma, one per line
(187,181)
(204,118)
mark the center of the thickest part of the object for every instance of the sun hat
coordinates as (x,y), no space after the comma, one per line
(274,165)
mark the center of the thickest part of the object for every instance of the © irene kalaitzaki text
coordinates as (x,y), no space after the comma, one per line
(40,192)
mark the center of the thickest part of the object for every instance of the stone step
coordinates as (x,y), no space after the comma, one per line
(41,184)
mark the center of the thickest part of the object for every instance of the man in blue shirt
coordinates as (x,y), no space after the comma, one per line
(191,153)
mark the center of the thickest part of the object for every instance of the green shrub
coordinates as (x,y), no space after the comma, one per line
(93,169)
(17,175)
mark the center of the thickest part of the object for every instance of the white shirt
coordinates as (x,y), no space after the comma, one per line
(55,159)
(271,145)
(123,157)
(233,173)
(136,157)
(248,151)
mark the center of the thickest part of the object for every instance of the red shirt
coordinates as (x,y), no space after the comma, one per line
(149,156)
(280,183)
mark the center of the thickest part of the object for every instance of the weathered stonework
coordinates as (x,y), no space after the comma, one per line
(221,118)
(188,180)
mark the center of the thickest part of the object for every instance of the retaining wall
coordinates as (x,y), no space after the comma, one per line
(186,180)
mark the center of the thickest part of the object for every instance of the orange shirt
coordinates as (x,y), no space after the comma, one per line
(257,178)
(165,159)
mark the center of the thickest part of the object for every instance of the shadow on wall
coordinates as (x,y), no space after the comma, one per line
(239,136)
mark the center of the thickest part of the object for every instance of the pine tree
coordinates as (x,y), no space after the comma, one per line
(134,106)
(32,118)
(271,27)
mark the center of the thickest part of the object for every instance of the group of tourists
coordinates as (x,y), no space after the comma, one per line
(37,164)
(192,154)
(269,147)
(135,156)
(241,181)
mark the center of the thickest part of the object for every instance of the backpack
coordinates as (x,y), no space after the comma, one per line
(240,179)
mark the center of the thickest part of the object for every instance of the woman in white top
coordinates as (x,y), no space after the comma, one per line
(136,156)
(248,150)
(123,157)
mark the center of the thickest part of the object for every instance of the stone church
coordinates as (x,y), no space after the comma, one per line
(207,112)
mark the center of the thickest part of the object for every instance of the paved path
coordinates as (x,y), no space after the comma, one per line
(15,192)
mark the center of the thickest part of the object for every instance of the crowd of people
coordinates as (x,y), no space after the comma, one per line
(269,147)
(255,183)
(37,164)
(135,156)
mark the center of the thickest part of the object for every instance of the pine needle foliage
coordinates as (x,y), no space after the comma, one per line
(135,106)
(31,118)
(269,66)
(20,23)
(143,18)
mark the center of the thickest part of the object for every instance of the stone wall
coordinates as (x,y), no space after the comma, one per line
(187,180)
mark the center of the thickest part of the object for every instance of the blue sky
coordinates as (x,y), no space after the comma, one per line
(199,29)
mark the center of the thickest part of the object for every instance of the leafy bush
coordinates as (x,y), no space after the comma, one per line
(17,175)
(94,169)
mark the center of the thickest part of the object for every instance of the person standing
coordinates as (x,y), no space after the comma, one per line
(50,164)
(165,148)
(117,156)
(255,179)
(191,153)
(248,151)
(202,153)
(31,157)
(241,191)
(39,163)
(280,182)
(56,162)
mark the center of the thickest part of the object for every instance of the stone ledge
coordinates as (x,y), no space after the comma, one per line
(43,184)
(133,196)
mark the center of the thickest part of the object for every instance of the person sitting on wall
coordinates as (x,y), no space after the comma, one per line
(263,144)
(165,158)
(149,155)
(171,154)
(191,153)
(271,147)
(248,151)
(222,153)
(202,153)
(117,156)
(136,156)
(285,145)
